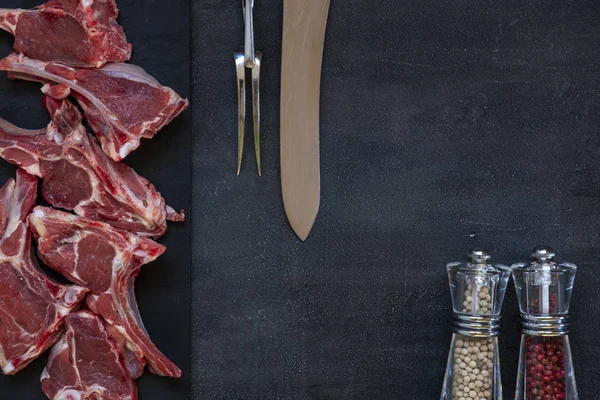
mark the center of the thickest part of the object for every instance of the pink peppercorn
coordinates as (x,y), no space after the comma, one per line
(545,368)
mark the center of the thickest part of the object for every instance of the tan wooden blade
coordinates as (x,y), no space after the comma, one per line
(304,23)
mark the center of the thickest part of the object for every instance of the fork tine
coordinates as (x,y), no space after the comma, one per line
(256,107)
(241,87)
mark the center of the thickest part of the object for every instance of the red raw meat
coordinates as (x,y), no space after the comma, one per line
(80,33)
(79,176)
(85,364)
(106,261)
(32,307)
(135,363)
(121,102)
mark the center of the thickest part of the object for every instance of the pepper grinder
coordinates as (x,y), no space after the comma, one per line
(477,288)
(544,292)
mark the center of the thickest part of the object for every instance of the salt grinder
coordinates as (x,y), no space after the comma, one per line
(477,288)
(544,291)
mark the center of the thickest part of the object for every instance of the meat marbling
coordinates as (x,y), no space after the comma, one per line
(106,261)
(78,176)
(121,102)
(85,364)
(80,33)
(32,307)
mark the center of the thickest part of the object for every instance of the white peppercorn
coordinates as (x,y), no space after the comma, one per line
(474,357)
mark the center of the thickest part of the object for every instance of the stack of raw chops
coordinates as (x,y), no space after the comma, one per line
(108,217)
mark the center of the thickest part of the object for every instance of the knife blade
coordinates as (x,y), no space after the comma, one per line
(304,23)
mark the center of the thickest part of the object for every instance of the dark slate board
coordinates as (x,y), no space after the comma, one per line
(160,33)
(445,125)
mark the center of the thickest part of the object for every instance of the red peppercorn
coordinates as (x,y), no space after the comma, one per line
(539,367)
(537,376)
(531,370)
(545,373)
(559,375)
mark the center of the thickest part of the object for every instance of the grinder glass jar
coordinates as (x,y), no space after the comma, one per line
(544,291)
(477,288)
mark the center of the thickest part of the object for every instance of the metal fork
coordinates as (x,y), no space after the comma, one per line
(249,59)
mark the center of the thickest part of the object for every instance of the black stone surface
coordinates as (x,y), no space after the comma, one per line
(160,33)
(445,125)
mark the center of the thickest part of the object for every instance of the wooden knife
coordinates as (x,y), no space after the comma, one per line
(304,23)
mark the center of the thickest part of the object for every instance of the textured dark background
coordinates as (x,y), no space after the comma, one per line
(159,32)
(445,125)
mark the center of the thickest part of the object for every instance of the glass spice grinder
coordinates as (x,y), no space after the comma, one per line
(477,288)
(544,292)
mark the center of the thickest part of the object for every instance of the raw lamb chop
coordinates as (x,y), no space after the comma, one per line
(121,102)
(79,176)
(85,364)
(80,33)
(106,261)
(32,307)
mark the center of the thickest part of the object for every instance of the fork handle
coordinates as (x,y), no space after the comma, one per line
(249,38)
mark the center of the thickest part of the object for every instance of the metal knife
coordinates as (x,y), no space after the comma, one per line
(304,23)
